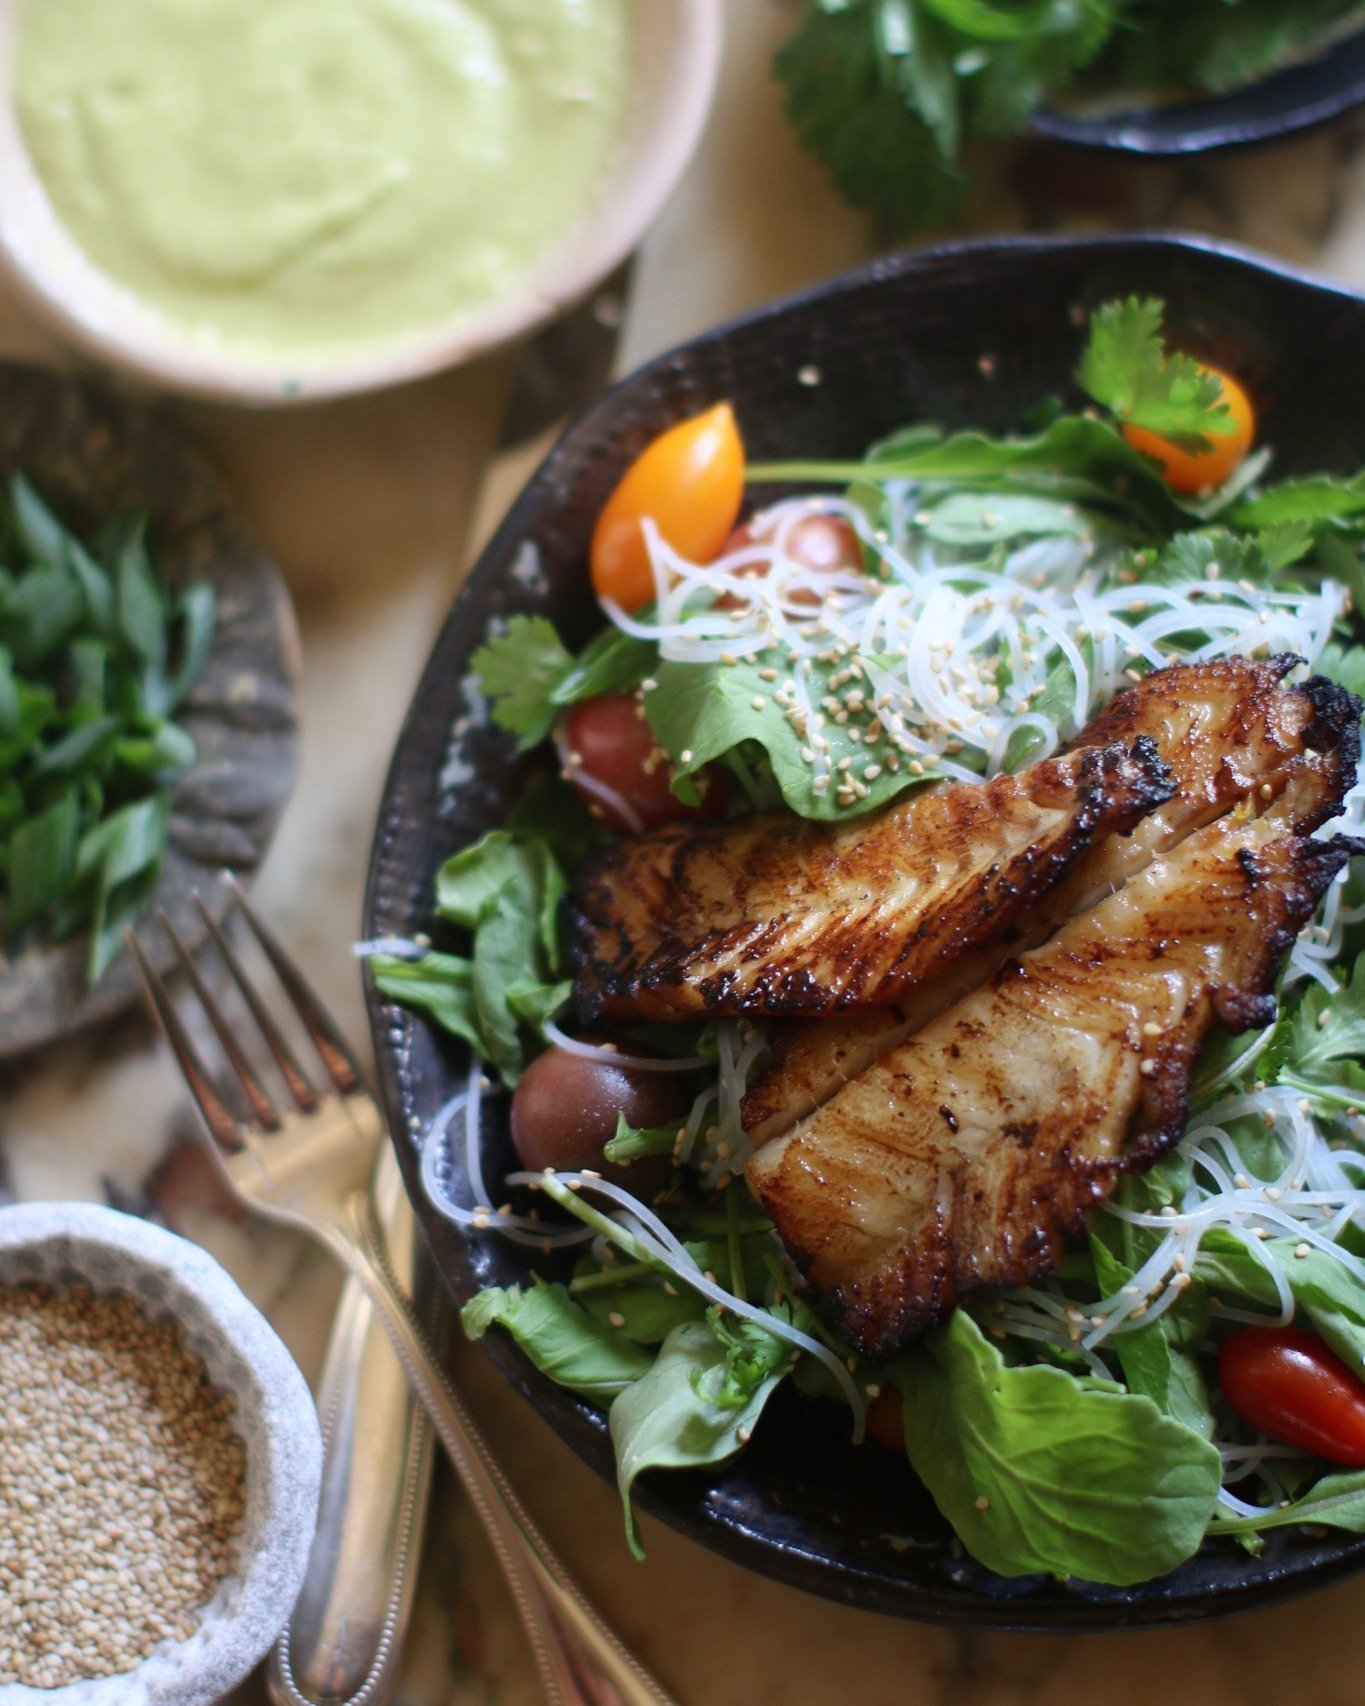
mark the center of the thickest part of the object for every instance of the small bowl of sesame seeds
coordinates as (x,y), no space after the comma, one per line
(160,1458)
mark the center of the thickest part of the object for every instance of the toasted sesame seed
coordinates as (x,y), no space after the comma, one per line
(1302,1250)
(758,701)
(983,1503)
(616,1318)
(122,1493)
(1147,1067)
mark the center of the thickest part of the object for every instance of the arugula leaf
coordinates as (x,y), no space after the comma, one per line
(1327,1293)
(528,674)
(554,810)
(1159,1359)
(1076,458)
(688,1412)
(634,1299)
(1336,1501)
(505,890)
(439,985)
(1127,369)
(1038,1470)
(703,712)
(560,1337)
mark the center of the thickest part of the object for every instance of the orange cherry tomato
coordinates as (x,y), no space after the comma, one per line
(1286,1381)
(690,481)
(1202,470)
(824,544)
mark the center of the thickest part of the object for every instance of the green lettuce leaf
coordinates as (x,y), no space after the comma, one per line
(1039,1471)
(560,1337)
(687,1412)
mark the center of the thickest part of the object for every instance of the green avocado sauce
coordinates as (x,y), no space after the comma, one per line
(305,177)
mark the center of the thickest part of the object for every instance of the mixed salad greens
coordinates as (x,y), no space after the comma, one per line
(97,654)
(953,605)
(889,93)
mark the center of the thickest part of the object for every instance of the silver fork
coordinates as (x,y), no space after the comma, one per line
(310,1166)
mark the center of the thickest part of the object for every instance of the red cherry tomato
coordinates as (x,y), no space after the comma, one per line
(565,1107)
(611,756)
(1285,1381)
(825,544)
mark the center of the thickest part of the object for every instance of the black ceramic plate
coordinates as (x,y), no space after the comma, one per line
(1296,99)
(901,341)
(95,456)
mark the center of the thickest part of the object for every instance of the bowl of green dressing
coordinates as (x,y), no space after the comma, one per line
(272,200)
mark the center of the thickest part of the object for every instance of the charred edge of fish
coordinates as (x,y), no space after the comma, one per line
(1336,721)
(1163,1114)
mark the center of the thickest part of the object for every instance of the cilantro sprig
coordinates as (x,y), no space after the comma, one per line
(1127,369)
(889,93)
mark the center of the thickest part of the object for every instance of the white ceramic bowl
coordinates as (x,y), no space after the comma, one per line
(275,1417)
(675,51)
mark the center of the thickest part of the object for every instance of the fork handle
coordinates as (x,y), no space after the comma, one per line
(580,1661)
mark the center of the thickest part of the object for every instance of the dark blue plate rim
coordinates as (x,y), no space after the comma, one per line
(1287,103)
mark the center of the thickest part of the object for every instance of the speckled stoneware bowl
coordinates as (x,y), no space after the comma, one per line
(69,1242)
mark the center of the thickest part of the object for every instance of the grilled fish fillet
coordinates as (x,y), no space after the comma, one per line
(1226,730)
(970,1153)
(776,914)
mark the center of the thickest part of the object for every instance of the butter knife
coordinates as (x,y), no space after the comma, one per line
(344,1641)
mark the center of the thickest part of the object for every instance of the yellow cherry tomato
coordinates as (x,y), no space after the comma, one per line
(690,482)
(1203,470)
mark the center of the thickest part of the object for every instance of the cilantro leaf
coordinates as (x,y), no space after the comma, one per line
(871,94)
(887,92)
(1127,369)
(529,675)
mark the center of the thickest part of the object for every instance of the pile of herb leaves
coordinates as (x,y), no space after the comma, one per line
(97,654)
(887,93)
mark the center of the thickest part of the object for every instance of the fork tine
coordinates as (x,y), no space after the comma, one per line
(218,1118)
(263,1109)
(342,1067)
(300,1088)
